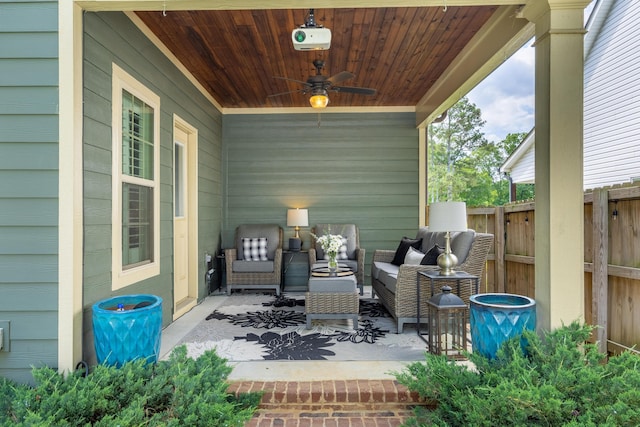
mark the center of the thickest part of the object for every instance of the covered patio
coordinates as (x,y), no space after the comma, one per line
(558,29)
(280,370)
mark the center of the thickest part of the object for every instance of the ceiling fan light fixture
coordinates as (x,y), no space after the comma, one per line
(319,99)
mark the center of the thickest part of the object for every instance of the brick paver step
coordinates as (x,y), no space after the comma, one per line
(330,403)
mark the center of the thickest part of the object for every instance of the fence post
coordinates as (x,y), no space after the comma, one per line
(499,249)
(600,276)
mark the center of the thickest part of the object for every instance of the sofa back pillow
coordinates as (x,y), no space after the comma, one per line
(431,257)
(430,238)
(403,247)
(460,241)
(413,256)
(461,244)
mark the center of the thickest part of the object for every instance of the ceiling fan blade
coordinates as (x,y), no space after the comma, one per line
(288,92)
(340,77)
(351,89)
(292,80)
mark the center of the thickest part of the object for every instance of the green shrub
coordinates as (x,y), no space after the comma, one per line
(560,381)
(178,392)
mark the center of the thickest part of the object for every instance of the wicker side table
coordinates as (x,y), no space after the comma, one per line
(332,298)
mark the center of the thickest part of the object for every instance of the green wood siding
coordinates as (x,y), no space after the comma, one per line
(112,37)
(29,184)
(354,168)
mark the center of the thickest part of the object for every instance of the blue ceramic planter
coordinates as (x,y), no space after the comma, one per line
(129,333)
(494,318)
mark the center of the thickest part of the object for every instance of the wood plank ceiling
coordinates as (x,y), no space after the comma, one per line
(237,54)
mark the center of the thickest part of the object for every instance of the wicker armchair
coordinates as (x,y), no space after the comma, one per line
(355,253)
(403,303)
(250,274)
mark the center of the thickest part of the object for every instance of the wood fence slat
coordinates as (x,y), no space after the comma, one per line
(624,193)
(600,276)
(520,259)
(617,271)
(499,239)
(624,272)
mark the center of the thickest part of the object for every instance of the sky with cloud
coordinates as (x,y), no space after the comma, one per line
(506,97)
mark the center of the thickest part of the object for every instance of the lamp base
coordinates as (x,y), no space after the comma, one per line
(447,260)
(447,263)
(295,244)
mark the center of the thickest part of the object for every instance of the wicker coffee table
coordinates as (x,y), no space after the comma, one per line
(332,297)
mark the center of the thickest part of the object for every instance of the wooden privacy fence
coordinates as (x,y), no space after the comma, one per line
(611,259)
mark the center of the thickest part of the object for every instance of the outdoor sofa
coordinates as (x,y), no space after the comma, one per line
(396,285)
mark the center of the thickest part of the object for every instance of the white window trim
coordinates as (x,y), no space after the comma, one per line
(121,80)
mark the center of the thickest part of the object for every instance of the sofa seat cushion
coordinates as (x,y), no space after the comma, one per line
(376,266)
(242,266)
(386,273)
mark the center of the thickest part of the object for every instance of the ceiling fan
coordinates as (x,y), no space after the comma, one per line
(319,86)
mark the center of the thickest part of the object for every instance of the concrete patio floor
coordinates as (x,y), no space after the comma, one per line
(285,370)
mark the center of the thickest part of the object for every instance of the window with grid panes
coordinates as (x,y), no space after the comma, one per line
(137,193)
(136,183)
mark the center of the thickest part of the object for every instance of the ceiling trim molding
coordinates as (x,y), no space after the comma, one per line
(309,110)
(498,39)
(168,5)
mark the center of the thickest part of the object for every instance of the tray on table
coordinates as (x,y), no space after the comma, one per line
(326,272)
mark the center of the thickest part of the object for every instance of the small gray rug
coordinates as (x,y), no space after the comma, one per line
(255,327)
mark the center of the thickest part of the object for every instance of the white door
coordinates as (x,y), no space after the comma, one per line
(185,258)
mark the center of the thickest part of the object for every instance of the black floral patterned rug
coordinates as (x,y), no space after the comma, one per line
(264,327)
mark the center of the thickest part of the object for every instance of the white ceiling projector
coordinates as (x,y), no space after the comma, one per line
(311,38)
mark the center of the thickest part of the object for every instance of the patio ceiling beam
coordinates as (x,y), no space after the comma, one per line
(140,5)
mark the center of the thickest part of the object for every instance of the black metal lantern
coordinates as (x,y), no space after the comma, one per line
(447,324)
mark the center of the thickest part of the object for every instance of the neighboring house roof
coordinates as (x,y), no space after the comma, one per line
(521,163)
(612,54)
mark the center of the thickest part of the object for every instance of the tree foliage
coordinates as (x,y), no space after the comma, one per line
(463,164)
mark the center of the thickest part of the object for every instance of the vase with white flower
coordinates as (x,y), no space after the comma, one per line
(330,244)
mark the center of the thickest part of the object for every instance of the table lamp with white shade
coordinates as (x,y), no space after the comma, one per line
(448,217)
(297,218)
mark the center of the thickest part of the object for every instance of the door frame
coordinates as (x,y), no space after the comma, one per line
(191,208)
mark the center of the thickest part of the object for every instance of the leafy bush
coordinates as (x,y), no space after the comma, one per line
(177,392)
(560,381)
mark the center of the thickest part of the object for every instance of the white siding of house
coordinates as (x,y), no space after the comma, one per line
(521,164)
(612,99)
(524,171)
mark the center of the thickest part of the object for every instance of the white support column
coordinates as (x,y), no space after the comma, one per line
(559,214)
(70,220)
